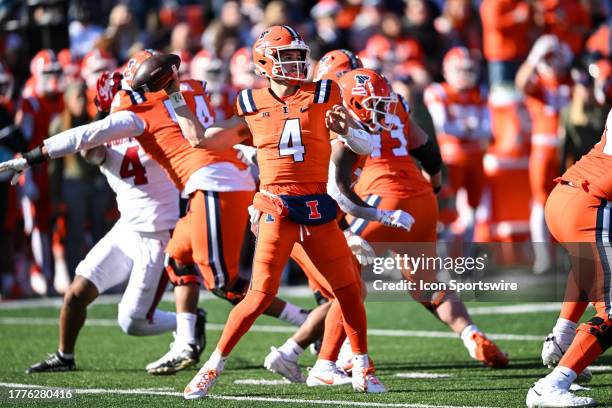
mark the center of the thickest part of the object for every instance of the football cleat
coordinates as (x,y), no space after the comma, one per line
(553,350)
(366,381)
(200,329)
(542,394)
(180,357)
(331,375)
(277,363)
(199,385)
(487,352)
(55,363)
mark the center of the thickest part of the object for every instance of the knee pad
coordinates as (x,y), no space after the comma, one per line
(181,274)
(236,294)
(130,325)
(601,329)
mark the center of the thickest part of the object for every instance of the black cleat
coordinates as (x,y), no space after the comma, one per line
(54,363)
(200,329)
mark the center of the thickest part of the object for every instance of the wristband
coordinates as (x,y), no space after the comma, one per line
(177,100)
(35,156)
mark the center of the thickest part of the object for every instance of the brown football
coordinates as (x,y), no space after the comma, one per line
(155,73)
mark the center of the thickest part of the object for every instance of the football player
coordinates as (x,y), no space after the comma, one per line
(291,122)
(391,179)
(578,216)
(458,108)
(217,183)
(345,167)
(94,63)
(546,84)
(133,249)
(33,118)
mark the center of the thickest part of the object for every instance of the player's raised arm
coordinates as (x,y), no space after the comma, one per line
(225,134)
(339,121)
(115,126)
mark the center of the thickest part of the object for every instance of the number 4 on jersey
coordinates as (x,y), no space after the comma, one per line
(132,167)
(290,143)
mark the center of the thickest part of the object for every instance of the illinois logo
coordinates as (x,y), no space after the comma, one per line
(361,81)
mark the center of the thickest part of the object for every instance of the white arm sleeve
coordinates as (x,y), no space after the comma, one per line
(118,125)
(345,204)
(358,140)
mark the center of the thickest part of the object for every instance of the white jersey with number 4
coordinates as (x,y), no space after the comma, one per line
(148,201)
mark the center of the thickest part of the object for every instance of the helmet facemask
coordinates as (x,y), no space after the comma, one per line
(379,108)
(293,70)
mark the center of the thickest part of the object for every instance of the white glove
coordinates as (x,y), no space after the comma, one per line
(545,44)
(395,218)
(246,154)
(362,250)
(254,216)
(16,166)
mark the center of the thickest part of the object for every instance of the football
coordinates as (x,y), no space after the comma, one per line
(155,73)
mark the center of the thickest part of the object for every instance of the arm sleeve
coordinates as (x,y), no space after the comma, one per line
(119,125)
(345,204)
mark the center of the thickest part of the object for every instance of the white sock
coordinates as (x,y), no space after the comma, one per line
(67,356)
(564,328)
(293,314)
(216,361)
(291,350)
(466,333)
(346,353)
(561,377)
(360,361)
(321,365)
(185,328)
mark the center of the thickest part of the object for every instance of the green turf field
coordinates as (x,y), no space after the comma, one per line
(111,364)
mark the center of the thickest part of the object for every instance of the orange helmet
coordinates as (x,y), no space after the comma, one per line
(336,63)
(460,68)
(268,55)
(242,70)
(206,67)
(94,63)
(130,68)
(368,95)
(71,67)
(47,72)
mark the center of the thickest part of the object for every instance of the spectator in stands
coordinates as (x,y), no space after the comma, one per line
(419,18)
(505,25)
(327,34)
(459,25)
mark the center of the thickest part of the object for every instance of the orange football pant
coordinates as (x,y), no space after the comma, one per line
(582,223)
(211,235)
(327,248)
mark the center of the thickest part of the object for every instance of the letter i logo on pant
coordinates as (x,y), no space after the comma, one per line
(313,206)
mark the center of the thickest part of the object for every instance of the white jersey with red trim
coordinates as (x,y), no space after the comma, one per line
(148,201)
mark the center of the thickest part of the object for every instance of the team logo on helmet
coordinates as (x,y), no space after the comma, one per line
(360,85)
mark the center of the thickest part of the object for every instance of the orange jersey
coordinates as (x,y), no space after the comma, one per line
(544,100)
(592,171)
(461,120)
(38,113)
(389,171)
(162,138)
(293,143)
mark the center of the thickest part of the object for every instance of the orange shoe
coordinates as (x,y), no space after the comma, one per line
(487,352)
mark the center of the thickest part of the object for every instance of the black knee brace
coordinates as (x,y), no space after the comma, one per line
(600,328)
(236,294)
(181,274)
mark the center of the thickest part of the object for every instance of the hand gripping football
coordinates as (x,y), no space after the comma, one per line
(156,72)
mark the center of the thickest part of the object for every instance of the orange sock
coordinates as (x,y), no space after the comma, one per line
(334,333)
(584,350)
(573,311)
(241,318)
(353,312)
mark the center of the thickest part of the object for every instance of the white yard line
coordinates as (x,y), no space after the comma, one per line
(50,321)
(145,391)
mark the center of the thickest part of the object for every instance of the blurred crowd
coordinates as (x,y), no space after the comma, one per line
(541,69)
